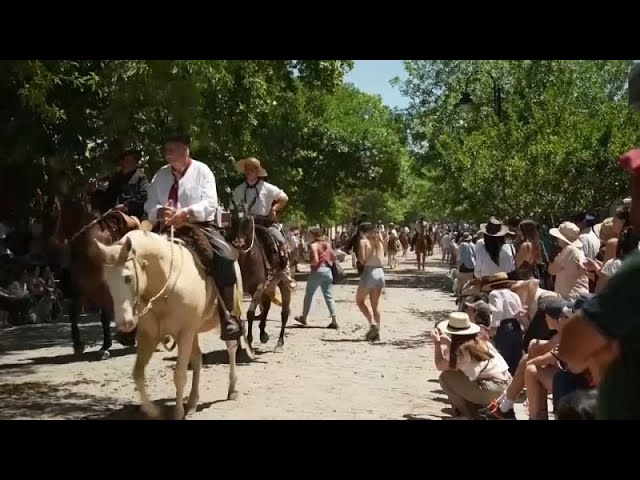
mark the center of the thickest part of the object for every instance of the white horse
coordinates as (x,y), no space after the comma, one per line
(163,289)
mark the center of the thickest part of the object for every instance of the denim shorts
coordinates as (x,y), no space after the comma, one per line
(372,277)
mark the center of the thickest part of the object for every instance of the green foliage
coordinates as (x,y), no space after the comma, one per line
(553,152)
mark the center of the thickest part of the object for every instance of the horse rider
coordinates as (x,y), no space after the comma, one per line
(418,229)
(263,201)
(127,189)
(184,191)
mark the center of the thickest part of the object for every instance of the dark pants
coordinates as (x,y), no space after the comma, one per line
(565,383)
(508,342)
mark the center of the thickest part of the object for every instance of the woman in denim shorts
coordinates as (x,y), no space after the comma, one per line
(370,255)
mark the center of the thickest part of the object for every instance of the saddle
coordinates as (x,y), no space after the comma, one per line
(196,239)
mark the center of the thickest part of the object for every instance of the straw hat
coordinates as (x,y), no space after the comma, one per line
(241,165)
(494,228)
(495,281)
(567,232)
(458,323)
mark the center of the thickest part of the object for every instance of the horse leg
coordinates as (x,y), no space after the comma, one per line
(284,316)
(232,348)
(264,312)
(185,345)
(106,315)
(251,314)
(146,346)
(74,314)
(196,365)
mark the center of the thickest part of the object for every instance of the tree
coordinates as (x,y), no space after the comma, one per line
(551,153)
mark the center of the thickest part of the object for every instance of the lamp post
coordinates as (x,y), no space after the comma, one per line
(466,103)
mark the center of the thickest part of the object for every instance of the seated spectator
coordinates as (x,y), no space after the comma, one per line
(480,313)
(473,372)
(493,254)
(502,408)
(626,245)
(568,266)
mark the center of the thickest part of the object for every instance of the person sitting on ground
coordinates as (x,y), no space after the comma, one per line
(528,256)
(620,221)
(569,265)
(493,254)
(626,245)
(473,372)
(466,262)
(550,308)
(320,261)
(479,313)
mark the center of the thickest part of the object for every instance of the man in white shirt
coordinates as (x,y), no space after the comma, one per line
(263,201)
(184,191)
(446,246)
(590,241)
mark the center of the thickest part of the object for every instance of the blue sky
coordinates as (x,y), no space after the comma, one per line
(373,76)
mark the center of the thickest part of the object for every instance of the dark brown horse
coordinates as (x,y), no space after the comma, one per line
(69,230)
(422,245)
(253,266)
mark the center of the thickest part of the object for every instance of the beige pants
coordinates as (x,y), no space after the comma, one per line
(463,278)
(468,395)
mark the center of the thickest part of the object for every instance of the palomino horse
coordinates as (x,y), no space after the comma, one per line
(162,289)
(253,265)
(69,228)
(404,241)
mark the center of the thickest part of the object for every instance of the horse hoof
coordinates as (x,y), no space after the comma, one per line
(152,412)
(232,396)
(178,414)
(192,406)
(78,350)
(264,337)
(278,348)
(104,355)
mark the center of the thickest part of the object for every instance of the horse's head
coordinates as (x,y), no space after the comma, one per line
(125,276)
(242,231)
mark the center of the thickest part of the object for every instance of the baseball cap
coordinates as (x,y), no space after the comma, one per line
(557,308)
(480,307)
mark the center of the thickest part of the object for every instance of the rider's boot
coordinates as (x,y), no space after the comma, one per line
(230,328)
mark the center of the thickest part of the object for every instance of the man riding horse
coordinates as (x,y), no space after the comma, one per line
(184,191)
(127,189)
(263,201)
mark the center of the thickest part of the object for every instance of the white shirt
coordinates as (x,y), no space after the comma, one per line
(196,191)
(446,241)
(485,265)
(267,194)
(611,267)
(495,367)
(590,243)
(504,305)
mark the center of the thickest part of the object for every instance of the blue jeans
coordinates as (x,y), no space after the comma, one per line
(324,279)
(508,342)
(565,382)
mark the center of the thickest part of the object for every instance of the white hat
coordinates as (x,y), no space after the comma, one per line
(241,164)
(458,324)
(567,232)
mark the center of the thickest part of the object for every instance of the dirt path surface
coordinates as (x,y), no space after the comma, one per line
(322,374)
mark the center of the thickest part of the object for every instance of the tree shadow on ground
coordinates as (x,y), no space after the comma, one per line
(221,357)
(416,341)
(434,316)
(47,335)
(90,356)
(45,400)
(422,280)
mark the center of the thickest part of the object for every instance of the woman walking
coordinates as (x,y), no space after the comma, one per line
(370,255)
(321,258)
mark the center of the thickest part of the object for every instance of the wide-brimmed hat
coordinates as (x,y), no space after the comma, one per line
(494,228)
(568,232)
(495,281)
(241,165)
(466,237)
(458,323)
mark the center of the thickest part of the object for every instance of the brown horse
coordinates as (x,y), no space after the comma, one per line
(422,245)
(69,230)
(252,259)
(404,241)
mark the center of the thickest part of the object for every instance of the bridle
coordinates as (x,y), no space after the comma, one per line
(253,234)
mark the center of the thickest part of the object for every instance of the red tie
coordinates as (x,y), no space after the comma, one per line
(173,191)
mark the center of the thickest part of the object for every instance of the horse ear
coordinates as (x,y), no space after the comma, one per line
(104,252)
(124,251)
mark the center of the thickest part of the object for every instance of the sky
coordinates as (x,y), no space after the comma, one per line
(373,76)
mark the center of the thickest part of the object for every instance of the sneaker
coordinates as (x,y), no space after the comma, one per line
(493,412)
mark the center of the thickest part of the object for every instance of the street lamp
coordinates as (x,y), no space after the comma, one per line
(466,103)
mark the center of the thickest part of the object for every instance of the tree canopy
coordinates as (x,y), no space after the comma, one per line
(552,151)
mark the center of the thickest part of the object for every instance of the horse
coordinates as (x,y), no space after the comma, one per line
(252,259)
(69,228)
(430,241)
(422,245)
(160,288)
(404,241)
(393,245)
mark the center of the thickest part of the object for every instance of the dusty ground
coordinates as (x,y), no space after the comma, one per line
(322,374)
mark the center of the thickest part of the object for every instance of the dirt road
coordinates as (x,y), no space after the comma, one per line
(322,374)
